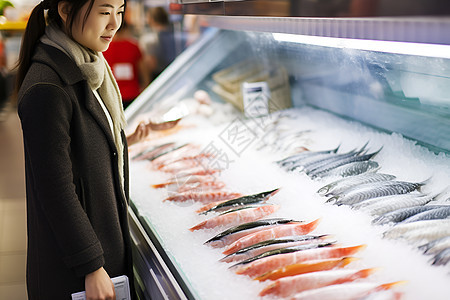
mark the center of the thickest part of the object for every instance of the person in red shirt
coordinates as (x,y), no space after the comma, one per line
(126,61)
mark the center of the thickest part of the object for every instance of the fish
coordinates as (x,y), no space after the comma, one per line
(237,217)
(320,171)
(352,169)
(435,246)
(148,153)
(167,151)
(282,251)
(185,179)
(286,286)
(442,258)
(400,214)
(339,186)
(166,165)
(374,190)
(297,158)
(244,200)
(203,197)
(264,246)
(312,164)
(345,291)
(268,264)
(201,186)
(271,233)
(392,203)
(234,233)
(437,213)
(420,230)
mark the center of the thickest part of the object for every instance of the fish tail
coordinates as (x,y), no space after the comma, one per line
(390,285)
(345,261)
(365,273)
(161,185)
(354,249)
(312,225)
(273,288)
(198,226)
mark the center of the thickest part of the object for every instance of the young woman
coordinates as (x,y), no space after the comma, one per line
(75,151)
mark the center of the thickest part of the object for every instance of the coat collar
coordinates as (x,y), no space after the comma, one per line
(70,74)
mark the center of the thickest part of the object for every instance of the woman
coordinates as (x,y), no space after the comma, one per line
(75,151)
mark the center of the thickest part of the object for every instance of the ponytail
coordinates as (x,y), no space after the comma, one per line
(33,32)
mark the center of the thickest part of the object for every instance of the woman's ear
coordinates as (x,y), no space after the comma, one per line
(63,10)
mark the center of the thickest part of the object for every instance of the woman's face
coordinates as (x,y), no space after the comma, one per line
(101,25)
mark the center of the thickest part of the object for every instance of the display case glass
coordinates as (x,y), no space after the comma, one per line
(393,90)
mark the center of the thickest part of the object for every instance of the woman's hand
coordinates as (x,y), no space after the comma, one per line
(142,130)
(99,286)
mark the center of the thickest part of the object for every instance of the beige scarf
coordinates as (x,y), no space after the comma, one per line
(99,76)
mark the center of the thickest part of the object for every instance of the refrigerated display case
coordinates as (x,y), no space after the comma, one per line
(341,82)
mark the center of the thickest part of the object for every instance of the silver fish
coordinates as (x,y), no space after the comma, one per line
(427,230)
(286,162)
(391,203)
(320,171)
(352,169)
(374,190)
(436,246)
(341,185)
(438,213)
(401,214)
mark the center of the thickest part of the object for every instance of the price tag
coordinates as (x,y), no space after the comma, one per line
(256,97)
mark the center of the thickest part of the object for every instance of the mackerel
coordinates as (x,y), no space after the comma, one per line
(401,214)
(341,185)
(435,246)
(400,201)
(354,168)
(438,213)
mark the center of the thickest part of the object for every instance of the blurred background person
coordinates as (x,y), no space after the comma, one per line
(160,45)
(127,64)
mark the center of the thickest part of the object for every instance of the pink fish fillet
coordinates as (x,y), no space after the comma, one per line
(291,285)
(237,217)
(270,263)
(344,291)
(205,185)
(272,233)
(203,197)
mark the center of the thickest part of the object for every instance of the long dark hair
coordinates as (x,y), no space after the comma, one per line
(36,28)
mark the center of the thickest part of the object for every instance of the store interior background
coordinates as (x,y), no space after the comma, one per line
(12,175)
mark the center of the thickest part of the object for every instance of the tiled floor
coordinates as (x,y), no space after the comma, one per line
(12,209)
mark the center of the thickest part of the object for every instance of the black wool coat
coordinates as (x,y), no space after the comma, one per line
(76,208)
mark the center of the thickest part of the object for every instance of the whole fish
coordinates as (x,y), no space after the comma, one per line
(435,246)
(237,217)
(401,214)
(339,186)
(312,164)
(428,228)
(442,258)
(268,264)
(318,172)
(271,233)
(148,153)
(297,158)
(344,291)
(286,286)
(233,234)
(352,169)
(374,190)
(282,251)
(244,200)
(438,213)
(394,202)
(264,246)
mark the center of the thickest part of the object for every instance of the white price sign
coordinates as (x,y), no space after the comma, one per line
(256,97)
